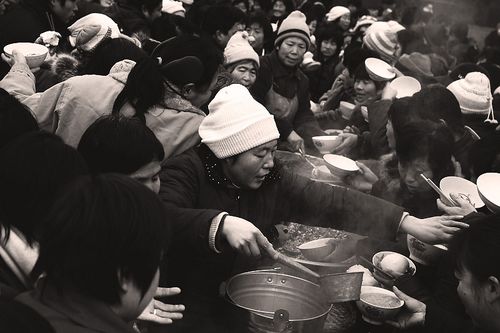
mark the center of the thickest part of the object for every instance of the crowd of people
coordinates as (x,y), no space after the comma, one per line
(138,169)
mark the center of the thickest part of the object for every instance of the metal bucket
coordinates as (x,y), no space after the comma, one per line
(279,302)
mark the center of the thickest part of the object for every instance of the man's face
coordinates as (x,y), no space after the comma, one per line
(249,169)
(64,12)
(222,38)
(291,51)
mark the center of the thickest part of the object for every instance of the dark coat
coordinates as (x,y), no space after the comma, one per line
(322,79)
(69,311)
(195,189)
(288,82)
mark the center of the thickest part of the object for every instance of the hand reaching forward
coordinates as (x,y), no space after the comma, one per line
(161,313)
(433,230)
(412,314)
(245,237)
(464,208)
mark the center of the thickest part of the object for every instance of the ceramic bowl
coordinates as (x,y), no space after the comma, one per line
(405,86)
(424,253)
(318,249)
(340,166)
(462,187)
(377,259)
(376,311)
(326,143)
(346,109)
(35,53)
(379,70)
(488,185)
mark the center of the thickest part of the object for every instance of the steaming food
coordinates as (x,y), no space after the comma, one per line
(381,300)
(394,264)
(368,279)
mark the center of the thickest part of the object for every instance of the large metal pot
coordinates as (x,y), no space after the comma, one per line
(279,302)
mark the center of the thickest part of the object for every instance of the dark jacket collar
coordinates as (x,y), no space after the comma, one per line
(215,173)
(74,307)
(280,70)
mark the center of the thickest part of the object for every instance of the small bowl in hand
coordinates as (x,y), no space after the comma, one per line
(35,54)
(377,260)
(340,166)
(326,143)
(378,304)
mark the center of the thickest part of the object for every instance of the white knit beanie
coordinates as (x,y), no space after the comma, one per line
(382,38)
(365,20)
(238,48)
(172,6)
(294,26)
(236,123)
(474,94)
(336,12)
(89,31)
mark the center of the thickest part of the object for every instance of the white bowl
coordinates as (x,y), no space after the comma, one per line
(35,53)
(488,185)
(377,258)
(326,143)
(318,249)
(462,187)
(379,70)
(346,109)
(340,166)
(405,86)
(375,313)
(423,253)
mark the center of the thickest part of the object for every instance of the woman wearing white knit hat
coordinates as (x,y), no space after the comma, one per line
(226,196)
(240,59)
(341,16)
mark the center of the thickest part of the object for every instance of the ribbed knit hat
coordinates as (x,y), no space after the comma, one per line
(236,123)
(172,6)
(336,12)
(382,38)
(364,21)
(474,95)
(294,26)
(91,30)
(238,48)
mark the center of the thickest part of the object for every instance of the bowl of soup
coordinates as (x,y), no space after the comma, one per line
(35,54)
(378,305)
(394,264)
(326,143)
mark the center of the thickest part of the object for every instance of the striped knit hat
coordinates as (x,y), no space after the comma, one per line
(382,38)
(294,26)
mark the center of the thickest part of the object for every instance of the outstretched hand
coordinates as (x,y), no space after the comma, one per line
(412,314)
(162,313)
(464,207)
(433,230)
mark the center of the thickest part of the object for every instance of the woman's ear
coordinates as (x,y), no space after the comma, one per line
(187,90)
(124,281)
(492,290)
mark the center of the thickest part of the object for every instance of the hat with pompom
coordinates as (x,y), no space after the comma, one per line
(91,30)
(294,26)
(474,95)
(238,48)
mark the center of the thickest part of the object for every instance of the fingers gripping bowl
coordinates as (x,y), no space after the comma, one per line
(394,264)
(378,304)
(340,166)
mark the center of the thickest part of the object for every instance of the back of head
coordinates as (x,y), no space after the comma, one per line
(109,53)
(15,118)
(437,103)
(221,18)
(114,226)
(484,154)
(34,168)
(430,141)
(357,57)
(119,144)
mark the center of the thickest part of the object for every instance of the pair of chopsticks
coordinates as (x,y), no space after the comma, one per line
(447,201)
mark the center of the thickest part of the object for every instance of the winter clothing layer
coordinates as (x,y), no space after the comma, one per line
(70,107)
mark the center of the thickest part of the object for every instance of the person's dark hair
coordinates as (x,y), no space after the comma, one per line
(436,103)
(316,12)
(34,168)
(149,5)
(101,226)
(261,19)
(484,154)
(179,60)
(329,33)
(356,57)
(110,52)
(221,18)
(429,140)
(362,74)
(289,6)
(477,248)
(119,144)
(16,317)
(245,2)
(15,118)
(460,30)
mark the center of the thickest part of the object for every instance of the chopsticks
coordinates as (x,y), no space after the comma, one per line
(447,201)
